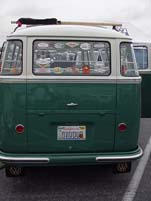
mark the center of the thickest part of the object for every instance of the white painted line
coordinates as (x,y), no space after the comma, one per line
(135,181)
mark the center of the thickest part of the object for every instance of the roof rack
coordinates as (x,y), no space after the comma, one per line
(115,26)
(91,23)
(54,21)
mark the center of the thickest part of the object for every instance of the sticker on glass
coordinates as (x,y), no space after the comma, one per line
(43,62)
(43,45)
(86,70)
(75,70)
(85,46)
(68,70)
(58,70)
(99,45)
(42,70)
(72,44)
(59,45)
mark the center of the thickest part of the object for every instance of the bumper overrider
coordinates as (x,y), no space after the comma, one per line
(69,159)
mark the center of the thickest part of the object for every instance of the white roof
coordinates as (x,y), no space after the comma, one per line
(69,31)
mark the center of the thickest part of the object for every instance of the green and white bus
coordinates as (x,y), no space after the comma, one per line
(70,95)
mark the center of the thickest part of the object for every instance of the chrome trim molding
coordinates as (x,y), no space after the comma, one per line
(120,158)
(10,159)
(129,81)
(69,80)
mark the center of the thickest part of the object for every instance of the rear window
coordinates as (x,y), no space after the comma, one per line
(71,58)
(128,62)
(141,54)
(12,64)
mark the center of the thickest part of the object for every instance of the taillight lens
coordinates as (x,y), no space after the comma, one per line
(19,128)
(122,127)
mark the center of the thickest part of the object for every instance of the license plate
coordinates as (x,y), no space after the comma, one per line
(71,133)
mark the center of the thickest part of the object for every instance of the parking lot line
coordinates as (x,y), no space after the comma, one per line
(136,178)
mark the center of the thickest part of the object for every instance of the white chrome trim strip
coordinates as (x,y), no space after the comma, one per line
(69,80)
(23,159)
(119,158)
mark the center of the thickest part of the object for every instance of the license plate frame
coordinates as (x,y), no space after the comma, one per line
(76,133)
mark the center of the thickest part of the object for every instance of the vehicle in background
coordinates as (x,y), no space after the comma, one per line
(143,59)
(70,95)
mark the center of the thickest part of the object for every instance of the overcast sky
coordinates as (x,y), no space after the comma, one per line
(134,13)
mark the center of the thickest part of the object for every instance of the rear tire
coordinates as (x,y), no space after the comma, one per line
(122,167)
(14,171)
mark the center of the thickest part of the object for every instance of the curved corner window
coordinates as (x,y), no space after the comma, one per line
(2,54)
(128,62)
(71,58)
(141,54)
(12,59)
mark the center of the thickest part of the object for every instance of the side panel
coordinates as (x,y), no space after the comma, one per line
(128,111)
(146,95)
(13,112)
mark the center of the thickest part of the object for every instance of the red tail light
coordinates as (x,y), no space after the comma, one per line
(19,128)
(122,127)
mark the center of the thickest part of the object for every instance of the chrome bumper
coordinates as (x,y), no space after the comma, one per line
(72,158)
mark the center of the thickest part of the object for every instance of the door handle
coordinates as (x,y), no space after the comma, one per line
(72,104)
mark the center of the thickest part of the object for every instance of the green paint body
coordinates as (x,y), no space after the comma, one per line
(41,107)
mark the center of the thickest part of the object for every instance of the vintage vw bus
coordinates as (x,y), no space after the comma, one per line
(70,95)
(143,59)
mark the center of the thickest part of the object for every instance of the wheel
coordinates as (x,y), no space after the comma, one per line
(14,171)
